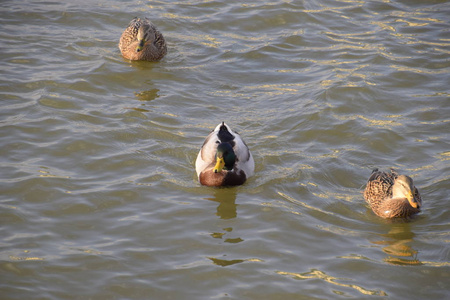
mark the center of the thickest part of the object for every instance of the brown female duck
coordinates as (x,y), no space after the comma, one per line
(141,40)
(391,195)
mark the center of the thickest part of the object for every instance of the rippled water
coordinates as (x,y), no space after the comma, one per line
(100,198)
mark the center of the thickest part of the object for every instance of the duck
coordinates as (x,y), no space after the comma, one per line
(224,159)
(141,40)
(391,195)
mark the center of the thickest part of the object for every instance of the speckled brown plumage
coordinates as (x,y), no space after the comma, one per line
(154,46)
(388,193)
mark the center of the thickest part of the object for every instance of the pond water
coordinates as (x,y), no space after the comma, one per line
(100,198)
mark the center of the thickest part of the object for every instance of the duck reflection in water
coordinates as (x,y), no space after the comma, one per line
(226,197)
(147,95)
(227,209)
(396,245)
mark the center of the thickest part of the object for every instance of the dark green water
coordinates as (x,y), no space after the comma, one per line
(99,196)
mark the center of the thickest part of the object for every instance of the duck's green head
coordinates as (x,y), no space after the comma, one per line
(225,158)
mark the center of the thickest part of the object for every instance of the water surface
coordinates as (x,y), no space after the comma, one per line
(100,198)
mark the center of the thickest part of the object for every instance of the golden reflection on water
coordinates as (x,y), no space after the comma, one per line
(374,122)
(418,70)
(178,17)
(317,274)
(415,15)
(383,26)
(203,39)
(48,174)
(266,90)
(298,202)
(396,245)
(12,257)
(237,36)
(24,258)
(445,156)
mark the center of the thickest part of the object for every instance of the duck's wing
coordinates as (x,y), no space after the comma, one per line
(379,186)
(207,154)
(244,156)
(159,41)
(382,177)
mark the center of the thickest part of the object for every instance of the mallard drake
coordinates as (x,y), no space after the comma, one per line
(141,40)
(224,159)
(391,195)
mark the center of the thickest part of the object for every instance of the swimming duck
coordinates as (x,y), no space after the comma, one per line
(224,159)
(391,195)
(141,40)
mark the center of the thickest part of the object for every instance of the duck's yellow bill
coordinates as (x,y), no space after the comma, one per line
(411,200)
(220,163)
